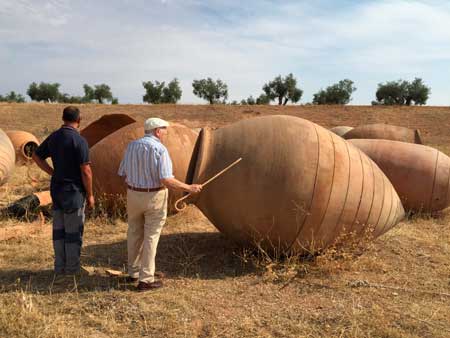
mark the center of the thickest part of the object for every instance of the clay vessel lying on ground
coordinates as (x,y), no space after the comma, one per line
(7,157)
(419,174)
(298,186)
(104,126)
(107,154)
(24,145)
(341,130)
(27,205)
(93,133)
(385,132)
(108,138)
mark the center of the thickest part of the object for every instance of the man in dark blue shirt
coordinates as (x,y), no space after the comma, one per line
(70,187)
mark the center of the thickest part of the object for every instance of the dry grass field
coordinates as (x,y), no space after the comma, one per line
(397,286)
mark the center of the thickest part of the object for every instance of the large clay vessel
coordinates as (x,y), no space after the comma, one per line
(108,138)
(94,133)
(341,130)
(7,157)
(24,145)
(419,174)
(107,154)
(104,126)
(298,186)
(385,132)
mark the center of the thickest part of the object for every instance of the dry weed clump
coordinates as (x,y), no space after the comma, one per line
(280,266)
(345,250)
(111,208)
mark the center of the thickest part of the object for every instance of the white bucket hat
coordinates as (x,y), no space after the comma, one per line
(155,122)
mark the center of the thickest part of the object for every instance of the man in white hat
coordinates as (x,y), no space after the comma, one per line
(147,168)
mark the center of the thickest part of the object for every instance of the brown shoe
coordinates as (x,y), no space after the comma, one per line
(158,274)
(143,286)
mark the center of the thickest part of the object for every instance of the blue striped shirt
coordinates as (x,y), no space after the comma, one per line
(146,162)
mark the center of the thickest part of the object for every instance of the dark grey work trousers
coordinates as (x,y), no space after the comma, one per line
(68,228)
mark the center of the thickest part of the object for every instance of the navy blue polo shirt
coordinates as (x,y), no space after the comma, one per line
(68,150)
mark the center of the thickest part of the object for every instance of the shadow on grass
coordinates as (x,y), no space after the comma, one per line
(207,255)
(44,282)
(181,255)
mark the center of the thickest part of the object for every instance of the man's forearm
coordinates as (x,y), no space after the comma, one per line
(86,176)
(173,183)
(43,164)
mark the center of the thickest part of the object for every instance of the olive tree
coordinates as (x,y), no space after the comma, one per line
(283,89)
(402,92)
(102,92)
(157,92)
(338,93)
(210,90)
(44,91)
(12,97)
(99,93)
(249,101)
(66,98)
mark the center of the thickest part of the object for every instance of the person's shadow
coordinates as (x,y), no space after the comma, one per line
(208,255)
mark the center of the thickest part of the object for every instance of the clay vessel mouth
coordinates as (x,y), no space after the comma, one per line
(195,157)
(28,149)
(418,136)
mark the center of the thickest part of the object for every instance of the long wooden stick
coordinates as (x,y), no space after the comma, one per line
(181,200)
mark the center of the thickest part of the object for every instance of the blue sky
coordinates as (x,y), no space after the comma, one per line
(244,43)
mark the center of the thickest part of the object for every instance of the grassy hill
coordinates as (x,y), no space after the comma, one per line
(396,286)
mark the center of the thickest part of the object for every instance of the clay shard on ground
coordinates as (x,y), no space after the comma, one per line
(420,174)
(299,187)
(385,132)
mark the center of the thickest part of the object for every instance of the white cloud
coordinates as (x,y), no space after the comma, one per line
(52,12)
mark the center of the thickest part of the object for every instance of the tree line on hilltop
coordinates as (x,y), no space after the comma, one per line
(280,90)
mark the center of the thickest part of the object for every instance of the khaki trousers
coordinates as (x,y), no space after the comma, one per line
(147,213)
